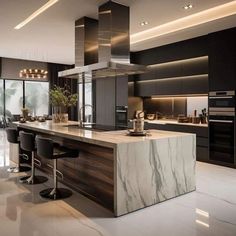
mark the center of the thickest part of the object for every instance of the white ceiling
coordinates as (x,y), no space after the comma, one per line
(50,36)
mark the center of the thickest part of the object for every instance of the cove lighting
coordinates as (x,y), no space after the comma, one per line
(36,13)
(199,18)
(174,78)
(162,97)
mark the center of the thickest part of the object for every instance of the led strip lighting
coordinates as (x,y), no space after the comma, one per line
(202,17)
(36,13)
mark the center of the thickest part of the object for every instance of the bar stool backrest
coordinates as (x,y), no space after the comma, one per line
(44,147)
(12,135)
(27,141)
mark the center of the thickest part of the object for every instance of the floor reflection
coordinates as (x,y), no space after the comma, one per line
(4,149)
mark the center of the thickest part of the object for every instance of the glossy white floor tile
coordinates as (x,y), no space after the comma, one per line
(211,210)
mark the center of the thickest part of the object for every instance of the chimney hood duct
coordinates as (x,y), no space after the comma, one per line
(113,46)
(86,41)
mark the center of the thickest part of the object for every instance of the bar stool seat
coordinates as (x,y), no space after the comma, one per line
(13,137)
(46,148)
(27,143)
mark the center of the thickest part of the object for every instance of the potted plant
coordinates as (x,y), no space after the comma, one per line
(25,112)
(61,99)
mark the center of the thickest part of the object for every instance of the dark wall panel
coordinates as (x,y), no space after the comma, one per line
(12,67)
(105,101)
(196,47)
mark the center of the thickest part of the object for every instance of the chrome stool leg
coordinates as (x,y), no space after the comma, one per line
(55,193)
(19,168)
(33,179)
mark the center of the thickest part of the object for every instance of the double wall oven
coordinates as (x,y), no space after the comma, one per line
(222,126)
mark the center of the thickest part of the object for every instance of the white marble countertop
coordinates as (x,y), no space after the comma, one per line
(106,138)
(174,122)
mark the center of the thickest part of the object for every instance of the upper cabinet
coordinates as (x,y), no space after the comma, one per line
(194,66)
(188,76)
(222,60)
(176,69)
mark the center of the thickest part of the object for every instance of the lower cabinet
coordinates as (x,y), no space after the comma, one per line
(202,151)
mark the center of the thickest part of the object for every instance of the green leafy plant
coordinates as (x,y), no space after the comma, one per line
(62,98)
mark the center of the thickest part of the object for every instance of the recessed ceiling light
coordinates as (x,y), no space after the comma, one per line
(36,13)
(188,6)
(144,23)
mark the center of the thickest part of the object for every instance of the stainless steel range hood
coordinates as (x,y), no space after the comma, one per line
(113,46)
(103,69)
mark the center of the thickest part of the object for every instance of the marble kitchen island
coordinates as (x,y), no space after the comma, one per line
(120,172)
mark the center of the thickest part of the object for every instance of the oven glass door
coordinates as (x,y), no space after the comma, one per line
(222,138)
(222,102)
(121,119)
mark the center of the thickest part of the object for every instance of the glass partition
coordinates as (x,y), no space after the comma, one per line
(88,111)
(37,97)
(85,103)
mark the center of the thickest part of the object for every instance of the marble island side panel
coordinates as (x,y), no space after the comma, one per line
(153,171)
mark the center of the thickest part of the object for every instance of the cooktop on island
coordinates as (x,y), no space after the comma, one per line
(95,127)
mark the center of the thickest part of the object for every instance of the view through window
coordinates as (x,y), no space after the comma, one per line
(36,98)
(34,94)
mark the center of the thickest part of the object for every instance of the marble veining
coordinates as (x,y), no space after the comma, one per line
(155,171)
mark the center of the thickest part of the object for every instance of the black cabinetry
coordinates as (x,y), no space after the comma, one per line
(222,60)
(122,91)
(110,92)
(202,151)
(188,76)
(187,85)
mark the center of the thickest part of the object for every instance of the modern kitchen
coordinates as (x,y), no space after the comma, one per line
(116,120)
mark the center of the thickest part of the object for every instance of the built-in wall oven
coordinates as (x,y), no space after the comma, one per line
(222,126)
(121,116)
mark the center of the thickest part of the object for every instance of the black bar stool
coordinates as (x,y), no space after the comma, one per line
(27,143)
(53,151)
(13,137)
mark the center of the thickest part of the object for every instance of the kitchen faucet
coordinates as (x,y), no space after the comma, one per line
(81,111)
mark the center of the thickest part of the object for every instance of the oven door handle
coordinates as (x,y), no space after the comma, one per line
(215,97)
(121,111)
(221,121)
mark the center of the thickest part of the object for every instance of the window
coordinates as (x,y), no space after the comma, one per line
(17,94)
(13,97)
(1,99)
(37,98)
